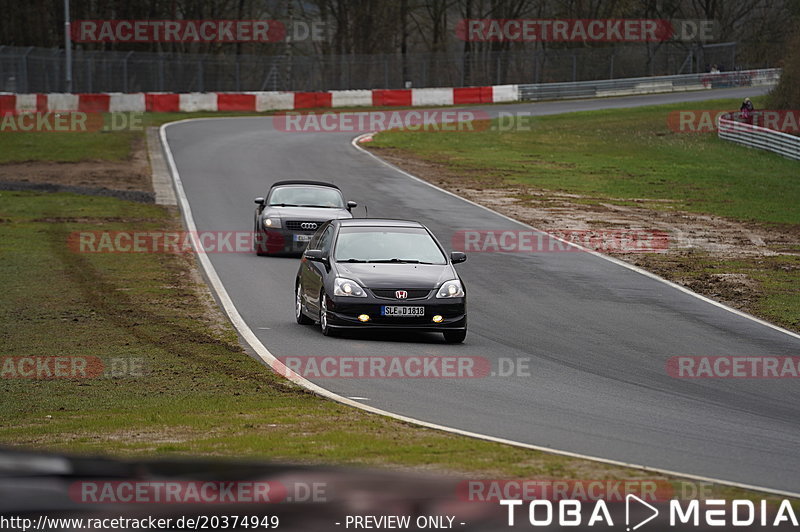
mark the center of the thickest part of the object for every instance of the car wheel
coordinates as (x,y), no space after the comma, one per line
(301,318)
(323,316)
(455,336)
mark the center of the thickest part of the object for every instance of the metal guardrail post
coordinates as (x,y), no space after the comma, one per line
(125,72)
(728,128)
(24,65)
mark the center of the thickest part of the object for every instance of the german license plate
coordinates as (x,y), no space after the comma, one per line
(402,312)
(302,238)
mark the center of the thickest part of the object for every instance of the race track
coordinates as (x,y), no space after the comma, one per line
(597,334)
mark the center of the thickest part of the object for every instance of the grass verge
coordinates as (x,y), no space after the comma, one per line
(621,155)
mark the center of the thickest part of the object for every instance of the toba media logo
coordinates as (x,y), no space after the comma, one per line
(736,513)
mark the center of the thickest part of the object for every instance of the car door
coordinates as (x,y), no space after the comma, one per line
(311,272)
(317,271)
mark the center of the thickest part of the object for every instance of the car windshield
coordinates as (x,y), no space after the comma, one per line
(387,244)
(292,196)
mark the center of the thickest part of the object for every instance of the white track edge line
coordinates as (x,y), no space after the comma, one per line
(270,360)
(355,143)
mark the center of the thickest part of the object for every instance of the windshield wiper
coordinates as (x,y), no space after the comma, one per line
(401,261)
(320,206)
(352,260)
(283,205)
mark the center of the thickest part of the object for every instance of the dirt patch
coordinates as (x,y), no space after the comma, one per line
(695,241)
(130,175)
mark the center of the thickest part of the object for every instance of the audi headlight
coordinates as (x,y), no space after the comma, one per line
(348,288)
(271,222)
(451,289)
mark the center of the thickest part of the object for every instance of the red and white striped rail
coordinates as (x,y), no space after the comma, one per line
(253,101)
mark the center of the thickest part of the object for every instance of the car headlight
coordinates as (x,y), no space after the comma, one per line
(272,223)
(348,288)
(451,289)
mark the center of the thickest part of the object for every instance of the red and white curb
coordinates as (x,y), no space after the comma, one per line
(161,102)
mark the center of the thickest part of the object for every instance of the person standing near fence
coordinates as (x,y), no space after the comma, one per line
(747,110)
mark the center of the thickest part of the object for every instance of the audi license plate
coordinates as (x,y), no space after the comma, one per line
(302,238)
(403,312)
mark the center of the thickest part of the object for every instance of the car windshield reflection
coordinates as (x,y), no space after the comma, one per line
(398,245)
(319,197)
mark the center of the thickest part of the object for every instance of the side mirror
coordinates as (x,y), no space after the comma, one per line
(315,255)
(457,256)
(259,201)
(351,205)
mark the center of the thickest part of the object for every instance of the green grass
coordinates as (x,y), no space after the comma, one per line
(622,154)
(51,146)
(64,147)
(775,278)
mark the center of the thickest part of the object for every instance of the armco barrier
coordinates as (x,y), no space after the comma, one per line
(632,86)
(729,128)
(285,101)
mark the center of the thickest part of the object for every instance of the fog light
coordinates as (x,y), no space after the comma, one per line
(363,317)
(437,319)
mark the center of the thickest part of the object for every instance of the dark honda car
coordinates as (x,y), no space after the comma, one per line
(369,273)
(292,211)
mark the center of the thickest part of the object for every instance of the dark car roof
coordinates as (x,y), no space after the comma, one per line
(304,182)
(377,222)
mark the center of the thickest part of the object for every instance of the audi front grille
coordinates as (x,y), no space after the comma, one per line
(296,225)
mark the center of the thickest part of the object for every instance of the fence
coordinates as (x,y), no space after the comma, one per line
(625,87)
(32,70)
(729,128)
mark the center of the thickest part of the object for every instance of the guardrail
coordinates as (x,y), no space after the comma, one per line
(732,127)
(630,86)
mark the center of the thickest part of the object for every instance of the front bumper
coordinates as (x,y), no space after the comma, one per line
(343,313)
(282,241)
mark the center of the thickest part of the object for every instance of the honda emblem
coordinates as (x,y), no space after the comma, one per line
(401,294)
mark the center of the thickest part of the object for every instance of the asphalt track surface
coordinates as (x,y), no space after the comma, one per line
(597,334)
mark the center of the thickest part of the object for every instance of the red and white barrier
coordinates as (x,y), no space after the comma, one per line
(253,101)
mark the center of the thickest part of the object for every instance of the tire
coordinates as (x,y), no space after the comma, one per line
(323,316)
(455,336)
(301,318)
